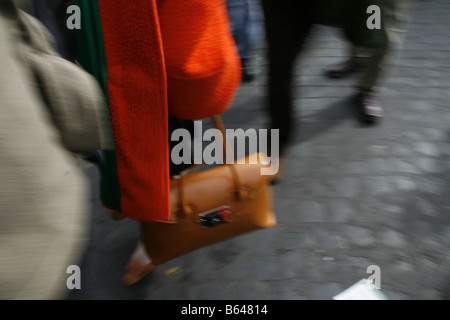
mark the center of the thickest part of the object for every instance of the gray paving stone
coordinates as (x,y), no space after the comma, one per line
(283,209)
(298,238)
(359,236)
(325,291)
(311,211)
(377,185)
(355,168)
(359,263)
(211,291)
(444,148)
(392,238)
(329,238)
(260,240)
(246,290)
(320,189)
(405,184)
(300,265)
(341,210)
(287,290)
(264,269)
(346,187)
(427,208)
(432,185)
(428,165)
(403,166)
(428,149)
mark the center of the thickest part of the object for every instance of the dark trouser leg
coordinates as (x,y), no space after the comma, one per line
(239,13)
(287,25)
(373,69)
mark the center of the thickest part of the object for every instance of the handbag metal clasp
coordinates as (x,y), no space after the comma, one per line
(215,217)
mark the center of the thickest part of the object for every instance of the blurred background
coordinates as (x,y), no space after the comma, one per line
(353,195)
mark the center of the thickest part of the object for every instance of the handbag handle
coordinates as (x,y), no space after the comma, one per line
(226,148)
(241,191)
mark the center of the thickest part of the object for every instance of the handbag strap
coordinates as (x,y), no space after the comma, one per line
(241,191)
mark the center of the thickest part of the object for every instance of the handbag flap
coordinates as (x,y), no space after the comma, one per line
(216,187)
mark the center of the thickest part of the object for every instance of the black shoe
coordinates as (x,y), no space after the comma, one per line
(342,69)
(370,108)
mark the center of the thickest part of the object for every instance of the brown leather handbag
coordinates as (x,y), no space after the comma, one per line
(212,205)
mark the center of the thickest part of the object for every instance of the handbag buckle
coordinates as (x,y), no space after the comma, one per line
(215,217)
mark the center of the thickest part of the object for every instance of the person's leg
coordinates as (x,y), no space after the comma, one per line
(354,63)
(239,14)
(287,25)
(376,45)
(368,84)
(139,264)
(373,70)
(138,267)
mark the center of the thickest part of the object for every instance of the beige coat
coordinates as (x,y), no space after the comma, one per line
(44,208)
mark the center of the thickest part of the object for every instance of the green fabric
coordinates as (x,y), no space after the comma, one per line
(91,55)
(352,16)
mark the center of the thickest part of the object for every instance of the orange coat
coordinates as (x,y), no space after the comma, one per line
(163,56)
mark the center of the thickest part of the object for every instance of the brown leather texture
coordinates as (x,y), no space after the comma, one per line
(245,191)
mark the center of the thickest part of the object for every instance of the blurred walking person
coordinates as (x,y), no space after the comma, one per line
(49,109)
(367,30)
(287,25)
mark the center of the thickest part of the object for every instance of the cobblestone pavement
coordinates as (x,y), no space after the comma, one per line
(353,196)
